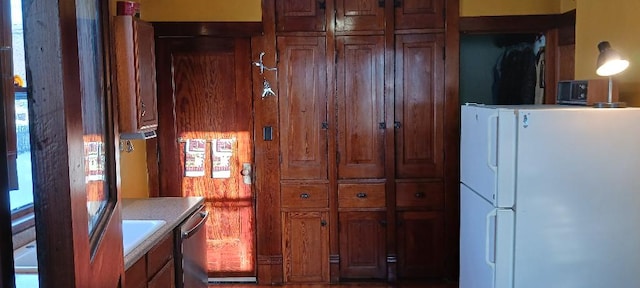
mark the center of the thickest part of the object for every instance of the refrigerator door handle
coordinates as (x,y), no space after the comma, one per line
(490,239)
(492,142)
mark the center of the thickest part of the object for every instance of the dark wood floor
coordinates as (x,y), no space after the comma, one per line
(346,285)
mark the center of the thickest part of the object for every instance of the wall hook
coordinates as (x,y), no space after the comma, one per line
(261,65)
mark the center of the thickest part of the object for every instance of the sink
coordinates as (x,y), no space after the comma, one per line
(136,231)
(133,233)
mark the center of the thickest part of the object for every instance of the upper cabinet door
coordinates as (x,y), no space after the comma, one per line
(419,14)
(303,107)
(419,106)
(360,98)
(300,15)
(135,74)
(77,207)
(359,15)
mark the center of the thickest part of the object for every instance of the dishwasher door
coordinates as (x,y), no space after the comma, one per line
(192,261)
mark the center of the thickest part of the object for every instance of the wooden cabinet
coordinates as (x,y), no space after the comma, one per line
(362,245)
(301,15)
(362,230)
(419,106)
(359,15)
(303,108)
(418,14)
(420,237)
(135,69)
(155,269)
(360,101)
(305,246)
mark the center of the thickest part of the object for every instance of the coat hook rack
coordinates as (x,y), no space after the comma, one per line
(261,65)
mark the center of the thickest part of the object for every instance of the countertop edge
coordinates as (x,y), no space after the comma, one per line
(173,210)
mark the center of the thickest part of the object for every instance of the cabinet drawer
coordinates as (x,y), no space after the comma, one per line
(158,256)
(136,275)
(305,196)
(420,194)
(361,195)
(165,277)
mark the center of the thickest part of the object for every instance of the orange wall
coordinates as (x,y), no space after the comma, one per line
(508,7)
(615,21)
(201,10)
(133,171)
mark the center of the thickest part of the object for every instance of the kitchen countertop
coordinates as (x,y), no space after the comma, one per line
(173,210)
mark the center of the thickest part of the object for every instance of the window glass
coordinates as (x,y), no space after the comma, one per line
(24,195)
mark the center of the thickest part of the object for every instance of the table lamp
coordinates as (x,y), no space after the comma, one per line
(610,63)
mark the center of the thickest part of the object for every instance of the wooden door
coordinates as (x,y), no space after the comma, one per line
(305,246)
(303,108)
(419,106)
(77,204)
(211,100)
(360,98)
(420,244)
(419,14)
(359,15)
(300,15)
(362,245)
(146,56)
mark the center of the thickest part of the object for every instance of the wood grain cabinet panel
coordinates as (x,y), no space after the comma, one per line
(304,195)
(303,108)
(165,278)
(421,248)
(359,15)
(419,106)
(360,100)
(300,15)
(419,14)
(362,245)
(361,195)
(136,275)
(426,195)
(305,246)
(135,74)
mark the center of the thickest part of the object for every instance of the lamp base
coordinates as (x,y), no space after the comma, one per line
(610,105)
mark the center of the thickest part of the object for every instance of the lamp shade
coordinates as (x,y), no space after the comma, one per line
(609,61)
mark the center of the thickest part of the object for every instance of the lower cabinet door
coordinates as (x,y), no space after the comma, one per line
(420,244)
(136,275)
(165,278)
(362,245)
(306,246)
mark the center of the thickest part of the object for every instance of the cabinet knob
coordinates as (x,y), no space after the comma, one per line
(305,195)
(323,223)
(322,4)
(419,195)
(361,195)
(397,3)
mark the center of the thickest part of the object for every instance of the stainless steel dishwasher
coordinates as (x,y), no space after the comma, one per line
(191,262)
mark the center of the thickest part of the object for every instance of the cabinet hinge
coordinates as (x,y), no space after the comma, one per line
(280,157)
(335,59)
(444,53)
(277,56)
(337,157)
(325,125)
(444,13)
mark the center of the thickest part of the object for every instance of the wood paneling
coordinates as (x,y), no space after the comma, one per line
(419,96)
(301,15)
(416,14)
(359,15)
(421,251)
(211,29)
(303,108)
(304,196)
(361,195)
(306,246)
(212,103)
(360,99)
(506,24)
(362,245)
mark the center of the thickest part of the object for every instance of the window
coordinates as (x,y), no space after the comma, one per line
(21,195)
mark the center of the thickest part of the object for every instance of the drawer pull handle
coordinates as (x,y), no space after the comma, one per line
(304,195)
(361,195)
(419,195)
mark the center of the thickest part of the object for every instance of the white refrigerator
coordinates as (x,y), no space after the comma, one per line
(549,197)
